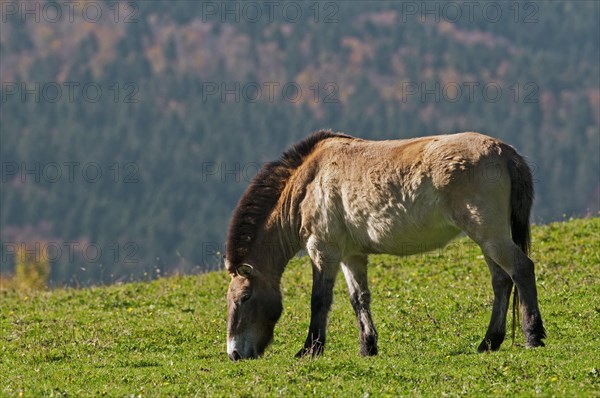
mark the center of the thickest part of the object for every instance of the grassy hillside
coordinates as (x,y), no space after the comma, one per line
(167,337)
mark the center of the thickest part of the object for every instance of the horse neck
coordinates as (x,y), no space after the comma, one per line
(275,247)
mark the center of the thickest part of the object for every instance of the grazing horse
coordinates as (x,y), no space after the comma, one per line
(341,198)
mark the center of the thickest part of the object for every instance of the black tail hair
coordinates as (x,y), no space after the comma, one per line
(521,199)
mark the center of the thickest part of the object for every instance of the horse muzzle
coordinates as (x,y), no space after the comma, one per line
(240,349)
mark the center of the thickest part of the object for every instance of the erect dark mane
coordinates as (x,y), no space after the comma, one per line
(262,195)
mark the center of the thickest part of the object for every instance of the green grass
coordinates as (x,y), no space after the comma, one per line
(167,337)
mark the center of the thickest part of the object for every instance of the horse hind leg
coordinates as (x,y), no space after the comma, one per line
(355,271)
(521,270)
(502,285)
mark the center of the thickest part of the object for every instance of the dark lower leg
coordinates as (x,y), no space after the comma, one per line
(502,285)
(321,299)
(521,269)
(367,332)
(524,278)
(532,324)
(355,271)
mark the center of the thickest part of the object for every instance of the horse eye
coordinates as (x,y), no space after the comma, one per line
(246,297)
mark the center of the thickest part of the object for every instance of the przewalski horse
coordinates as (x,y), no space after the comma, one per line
(341,198)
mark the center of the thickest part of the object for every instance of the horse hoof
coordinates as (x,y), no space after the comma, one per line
(534,344)
(301,353)
(368,346)
(488,345)
(491,342)
(484,347)
(368,351)
(314,350)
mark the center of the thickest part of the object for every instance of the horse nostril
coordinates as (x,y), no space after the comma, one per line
(234,356)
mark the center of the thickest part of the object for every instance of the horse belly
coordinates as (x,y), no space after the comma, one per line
(418,241)
(415,224)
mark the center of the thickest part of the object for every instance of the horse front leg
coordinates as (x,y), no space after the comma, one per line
(355,271)
(324,273)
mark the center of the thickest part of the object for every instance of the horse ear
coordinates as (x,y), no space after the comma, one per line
(245,270)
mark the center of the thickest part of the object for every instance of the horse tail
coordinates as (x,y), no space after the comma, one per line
(521,199)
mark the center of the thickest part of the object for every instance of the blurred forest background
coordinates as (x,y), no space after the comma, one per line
(129,130)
